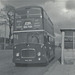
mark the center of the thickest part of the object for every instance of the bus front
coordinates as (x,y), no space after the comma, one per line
(29,37)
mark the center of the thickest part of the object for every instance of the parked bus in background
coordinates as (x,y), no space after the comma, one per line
(33,35)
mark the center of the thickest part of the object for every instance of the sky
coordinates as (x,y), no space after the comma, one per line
(61,12)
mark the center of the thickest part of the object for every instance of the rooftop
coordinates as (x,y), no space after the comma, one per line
(65,29)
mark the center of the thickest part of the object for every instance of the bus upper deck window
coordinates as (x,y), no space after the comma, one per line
(35,11)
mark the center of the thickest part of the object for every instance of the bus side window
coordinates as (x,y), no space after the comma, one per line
(46,39)
(49,39)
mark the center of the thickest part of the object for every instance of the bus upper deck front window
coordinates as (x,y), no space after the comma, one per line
(34,12)
(21,14)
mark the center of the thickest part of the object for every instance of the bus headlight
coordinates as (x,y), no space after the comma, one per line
(42,45)
(39,59)
(15,47)
(17,54)
(39,54)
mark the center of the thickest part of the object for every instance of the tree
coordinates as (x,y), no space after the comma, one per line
(10,11)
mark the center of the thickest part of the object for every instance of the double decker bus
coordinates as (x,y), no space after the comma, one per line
(33,35)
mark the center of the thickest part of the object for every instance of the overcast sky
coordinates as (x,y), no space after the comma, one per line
(61,12)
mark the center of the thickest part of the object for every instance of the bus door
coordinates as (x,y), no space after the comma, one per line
(47,46)
(50,46)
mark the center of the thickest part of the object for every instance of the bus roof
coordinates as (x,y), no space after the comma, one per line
(25,7)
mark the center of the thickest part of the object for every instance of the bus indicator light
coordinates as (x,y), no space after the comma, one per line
(42,45)
(49,47)
(41,16)
(39,54)
(39,59)
(15,47)
(17,54)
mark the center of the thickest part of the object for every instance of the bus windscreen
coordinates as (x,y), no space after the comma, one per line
(28,38)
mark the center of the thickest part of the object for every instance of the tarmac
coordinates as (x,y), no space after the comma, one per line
(56,69)
(59,69)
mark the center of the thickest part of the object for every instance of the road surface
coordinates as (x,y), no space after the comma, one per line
(7,67)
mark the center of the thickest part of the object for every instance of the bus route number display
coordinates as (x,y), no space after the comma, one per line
(27,24)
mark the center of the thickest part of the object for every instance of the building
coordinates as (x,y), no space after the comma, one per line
(68,45)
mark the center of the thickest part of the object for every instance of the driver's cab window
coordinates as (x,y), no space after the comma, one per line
(33,39)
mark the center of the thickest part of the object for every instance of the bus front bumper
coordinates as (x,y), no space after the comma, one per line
(30,61)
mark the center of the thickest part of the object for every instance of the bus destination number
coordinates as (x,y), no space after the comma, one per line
(28,25)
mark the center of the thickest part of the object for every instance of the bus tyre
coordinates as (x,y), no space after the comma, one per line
(46,63)
(53,58)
